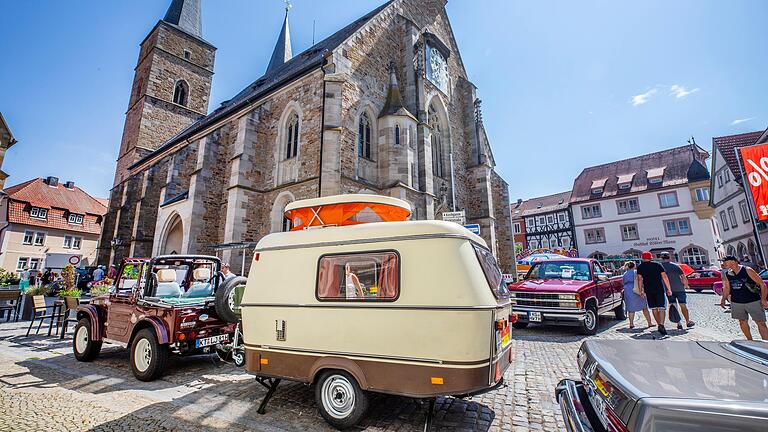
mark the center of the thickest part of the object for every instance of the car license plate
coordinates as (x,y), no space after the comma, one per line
(534,316)
(213,340)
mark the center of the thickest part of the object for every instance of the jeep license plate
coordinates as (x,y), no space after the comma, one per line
(213,340)
(534,316)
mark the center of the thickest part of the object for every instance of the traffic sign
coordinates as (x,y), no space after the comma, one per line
(458,216)
(474,228)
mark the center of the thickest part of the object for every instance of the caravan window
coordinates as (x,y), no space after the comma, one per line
(367,276)
(492,272)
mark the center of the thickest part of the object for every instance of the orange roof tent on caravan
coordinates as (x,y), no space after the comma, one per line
(341,210)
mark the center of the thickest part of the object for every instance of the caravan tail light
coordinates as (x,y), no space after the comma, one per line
(501,324)
(257,256)
(498,373)
(437,380)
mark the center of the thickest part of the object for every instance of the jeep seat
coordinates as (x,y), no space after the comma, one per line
(201,287)
(166,284)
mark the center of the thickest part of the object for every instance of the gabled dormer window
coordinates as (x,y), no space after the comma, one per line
(598,186)
(75,218)
(38,213)
(655,175)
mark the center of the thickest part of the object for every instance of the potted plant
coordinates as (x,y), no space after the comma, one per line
(27,306)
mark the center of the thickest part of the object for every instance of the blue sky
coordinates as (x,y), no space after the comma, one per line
(564,84)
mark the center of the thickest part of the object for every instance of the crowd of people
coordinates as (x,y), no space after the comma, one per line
(655,288)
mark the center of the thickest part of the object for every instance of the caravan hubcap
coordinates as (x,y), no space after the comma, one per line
(338,396)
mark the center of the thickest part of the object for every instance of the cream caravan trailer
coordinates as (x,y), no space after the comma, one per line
(356,299)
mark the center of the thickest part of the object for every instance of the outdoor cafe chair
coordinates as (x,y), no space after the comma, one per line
(13,299)
(39,306)
(69,314)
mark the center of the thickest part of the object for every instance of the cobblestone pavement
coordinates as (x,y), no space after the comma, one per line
(42,387)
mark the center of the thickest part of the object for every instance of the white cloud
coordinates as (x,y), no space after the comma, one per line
(643,97)
(739,121)
(680,92)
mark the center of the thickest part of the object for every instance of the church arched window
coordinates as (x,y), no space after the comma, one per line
(292,136)
(181,93)
(437,142)
(364,137)
(397,135)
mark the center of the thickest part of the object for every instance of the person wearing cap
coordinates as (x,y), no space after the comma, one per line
(748,295)
(226,272)
(678,282)
(653,283)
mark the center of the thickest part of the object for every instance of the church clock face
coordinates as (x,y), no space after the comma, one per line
(437,69)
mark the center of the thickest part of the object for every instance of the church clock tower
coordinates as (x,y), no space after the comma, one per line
(171,85)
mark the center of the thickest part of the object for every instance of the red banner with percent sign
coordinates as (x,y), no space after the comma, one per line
(754,161)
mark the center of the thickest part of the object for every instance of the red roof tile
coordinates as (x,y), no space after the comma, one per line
(728,144)
(37,193)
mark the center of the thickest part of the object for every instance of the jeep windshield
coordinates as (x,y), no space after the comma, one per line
(566,270)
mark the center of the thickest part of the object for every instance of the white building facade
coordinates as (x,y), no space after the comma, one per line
(657,203)
(728,198)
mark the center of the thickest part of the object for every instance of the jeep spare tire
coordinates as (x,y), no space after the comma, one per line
(227,306)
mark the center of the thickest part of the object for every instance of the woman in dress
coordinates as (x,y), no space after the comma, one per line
(633,302)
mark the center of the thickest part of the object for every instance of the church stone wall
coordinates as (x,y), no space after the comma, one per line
(504,236)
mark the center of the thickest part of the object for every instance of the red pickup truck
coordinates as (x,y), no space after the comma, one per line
(568,291)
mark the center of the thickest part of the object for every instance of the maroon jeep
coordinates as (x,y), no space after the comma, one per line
(156,306)
(567,291)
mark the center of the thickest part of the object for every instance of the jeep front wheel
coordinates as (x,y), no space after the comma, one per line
(148,356)
(83,345)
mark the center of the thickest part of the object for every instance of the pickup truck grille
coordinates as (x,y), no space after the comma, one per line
(537,299)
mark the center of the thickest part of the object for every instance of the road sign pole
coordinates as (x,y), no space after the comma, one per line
(748,192)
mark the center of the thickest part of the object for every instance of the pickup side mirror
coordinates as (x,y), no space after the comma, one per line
(601,277)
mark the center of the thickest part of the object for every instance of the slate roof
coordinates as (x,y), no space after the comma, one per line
(539,205)
(186,15)
(37,193)
(310,59)
(675,163)
(727,145)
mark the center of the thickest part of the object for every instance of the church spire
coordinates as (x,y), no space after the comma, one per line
(282,52)
(394,104)
(186,15)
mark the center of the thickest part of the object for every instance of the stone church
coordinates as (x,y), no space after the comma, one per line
(382,106)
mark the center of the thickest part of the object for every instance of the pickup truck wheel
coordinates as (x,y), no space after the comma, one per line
(341,401)
(84,347)
(520,325)
(225,299)
(619,312)
(589,325)
(148,356)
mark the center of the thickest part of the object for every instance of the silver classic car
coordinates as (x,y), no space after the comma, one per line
(649,386)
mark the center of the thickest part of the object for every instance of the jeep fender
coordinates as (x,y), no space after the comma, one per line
(339,363)
(154,322)
(92,313)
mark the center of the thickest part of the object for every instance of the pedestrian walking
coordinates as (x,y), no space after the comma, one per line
(748,295)
(47,277)
(24,280)
(225,270)
(678,283)
(633,302)
(98,274)
(653,282)
(747,262)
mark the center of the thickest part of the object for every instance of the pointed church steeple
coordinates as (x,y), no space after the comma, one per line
(186,15)
(394,104)
(282,52)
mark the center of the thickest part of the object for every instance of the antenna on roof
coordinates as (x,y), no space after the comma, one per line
(692,141)
(313,32)
(288,5)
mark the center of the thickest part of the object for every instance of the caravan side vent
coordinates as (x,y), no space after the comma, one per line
(280,330)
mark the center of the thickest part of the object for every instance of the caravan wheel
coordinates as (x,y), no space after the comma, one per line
(341,401)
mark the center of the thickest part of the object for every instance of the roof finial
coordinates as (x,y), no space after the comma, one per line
(288,6)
